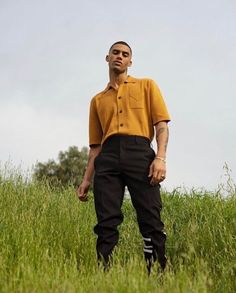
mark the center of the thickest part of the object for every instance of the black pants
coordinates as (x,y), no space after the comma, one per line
(125,161)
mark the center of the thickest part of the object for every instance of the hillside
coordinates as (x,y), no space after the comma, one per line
(47,243)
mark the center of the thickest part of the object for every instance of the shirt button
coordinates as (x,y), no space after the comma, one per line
(121,124)
(121,111)
(119,98)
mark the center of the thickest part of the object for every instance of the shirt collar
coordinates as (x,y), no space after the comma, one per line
(129,79)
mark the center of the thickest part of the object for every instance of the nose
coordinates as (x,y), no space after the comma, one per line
(119,56)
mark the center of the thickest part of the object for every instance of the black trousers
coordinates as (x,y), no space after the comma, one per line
(124,161)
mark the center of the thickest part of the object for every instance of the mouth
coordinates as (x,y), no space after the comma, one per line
(116,62)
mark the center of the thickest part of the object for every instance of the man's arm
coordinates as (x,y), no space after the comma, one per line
(88,175)
(158,167)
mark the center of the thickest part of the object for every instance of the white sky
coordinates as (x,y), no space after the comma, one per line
(52,62)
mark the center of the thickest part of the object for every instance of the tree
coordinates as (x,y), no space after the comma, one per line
(69,169)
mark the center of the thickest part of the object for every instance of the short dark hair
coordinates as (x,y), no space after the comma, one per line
(122,43)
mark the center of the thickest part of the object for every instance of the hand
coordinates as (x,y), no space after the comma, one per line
(82,190)
(157,171)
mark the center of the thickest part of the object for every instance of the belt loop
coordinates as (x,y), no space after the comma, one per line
(136,139)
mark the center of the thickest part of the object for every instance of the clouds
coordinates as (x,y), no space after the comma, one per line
(52,58)
(28,134)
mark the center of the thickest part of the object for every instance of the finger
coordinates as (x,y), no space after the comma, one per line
(81,192)
(154,175)
(150,170)
(83,197)
(154,181)
(161,176)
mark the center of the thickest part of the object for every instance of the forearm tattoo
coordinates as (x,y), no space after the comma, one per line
(160,131)
(158,134)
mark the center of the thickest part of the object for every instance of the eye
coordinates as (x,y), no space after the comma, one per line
(126,54)
(115,52)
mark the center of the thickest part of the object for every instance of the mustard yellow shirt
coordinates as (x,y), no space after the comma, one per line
(133,109)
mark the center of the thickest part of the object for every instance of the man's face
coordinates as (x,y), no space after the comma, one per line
(119,58)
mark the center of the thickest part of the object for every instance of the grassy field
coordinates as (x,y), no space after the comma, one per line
(47,243)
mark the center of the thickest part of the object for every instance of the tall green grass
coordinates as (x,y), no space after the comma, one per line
(47,243)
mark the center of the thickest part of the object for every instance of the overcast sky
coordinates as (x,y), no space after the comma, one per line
(52,62)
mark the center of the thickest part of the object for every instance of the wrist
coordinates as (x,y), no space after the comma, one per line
(163,159)
(86,180)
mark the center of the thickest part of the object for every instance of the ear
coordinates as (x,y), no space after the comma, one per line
(130,63)
(107,58)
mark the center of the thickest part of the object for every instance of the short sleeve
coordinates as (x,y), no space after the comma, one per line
(158,107)
(95,129)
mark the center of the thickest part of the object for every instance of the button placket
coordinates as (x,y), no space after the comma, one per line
(119,104)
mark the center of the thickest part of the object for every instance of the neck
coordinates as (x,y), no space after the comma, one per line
(117,78)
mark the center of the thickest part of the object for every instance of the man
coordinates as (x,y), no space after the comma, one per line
(122,121)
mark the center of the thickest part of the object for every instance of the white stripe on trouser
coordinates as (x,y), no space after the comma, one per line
(147,239)
(148,246)
(147,250)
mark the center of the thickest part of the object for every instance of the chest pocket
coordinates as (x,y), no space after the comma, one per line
(135,98)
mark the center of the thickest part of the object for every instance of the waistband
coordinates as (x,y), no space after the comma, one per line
(126,139)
